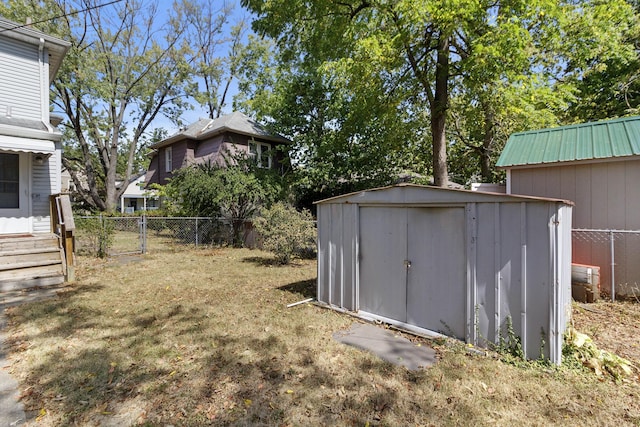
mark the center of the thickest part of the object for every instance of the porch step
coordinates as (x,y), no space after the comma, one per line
(30,261)
(28,243)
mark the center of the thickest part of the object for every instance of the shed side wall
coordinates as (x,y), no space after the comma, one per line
(337,232)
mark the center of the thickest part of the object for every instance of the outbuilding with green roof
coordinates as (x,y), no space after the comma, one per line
(597,166)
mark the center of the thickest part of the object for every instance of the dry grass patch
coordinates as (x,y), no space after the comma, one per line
(203,337)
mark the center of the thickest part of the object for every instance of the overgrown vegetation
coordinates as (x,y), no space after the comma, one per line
(203,337)
(286,232)
(99,232)
(580,348)
(234,192)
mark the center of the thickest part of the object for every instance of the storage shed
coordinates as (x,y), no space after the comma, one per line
(455,262)
(597,166)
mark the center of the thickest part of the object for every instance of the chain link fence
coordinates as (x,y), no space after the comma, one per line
(111,236)
(617,253)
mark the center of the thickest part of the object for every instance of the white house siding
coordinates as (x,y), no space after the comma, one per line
(43,181)
(20,82)
(606,196)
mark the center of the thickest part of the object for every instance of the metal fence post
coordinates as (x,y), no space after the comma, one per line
(196,232)
(613,265)
(143,231)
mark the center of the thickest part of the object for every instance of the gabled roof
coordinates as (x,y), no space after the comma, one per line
(414,194)
(57,47)
(207,128)
(589,141)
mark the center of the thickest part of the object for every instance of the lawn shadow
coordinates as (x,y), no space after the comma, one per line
(266,261)
(262,261)
(306,288)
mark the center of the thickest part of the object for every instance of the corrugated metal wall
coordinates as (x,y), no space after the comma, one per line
(514,256)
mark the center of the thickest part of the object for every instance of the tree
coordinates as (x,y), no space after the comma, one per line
(234,191)
(456,60)
(416,48)
(130,63)
(217,52)
(494,98)
(610,86)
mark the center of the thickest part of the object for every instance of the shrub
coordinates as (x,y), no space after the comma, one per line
(99,231)
(286,232)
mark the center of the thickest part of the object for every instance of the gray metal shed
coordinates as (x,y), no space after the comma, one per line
(455,262)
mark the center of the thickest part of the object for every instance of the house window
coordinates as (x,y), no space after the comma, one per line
(261,151)
(9,181)
(168,160)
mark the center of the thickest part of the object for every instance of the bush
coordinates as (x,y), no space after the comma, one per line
(286,232)
(99,231)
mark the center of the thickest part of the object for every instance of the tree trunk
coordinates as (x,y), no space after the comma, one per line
(439,114)
(487,145)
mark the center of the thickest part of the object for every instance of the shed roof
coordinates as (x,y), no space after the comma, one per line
(235,122)
(616,138)
(413,194)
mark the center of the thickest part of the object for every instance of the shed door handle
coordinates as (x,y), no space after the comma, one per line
(407,263)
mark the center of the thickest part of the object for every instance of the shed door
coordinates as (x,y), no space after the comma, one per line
(413,266)
(436,280)
(383,244)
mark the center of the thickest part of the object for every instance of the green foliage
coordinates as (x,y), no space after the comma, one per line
(356,85)
(129,64)
(579,349)
(100,233)
(233,192)
(286,232)
(510,346)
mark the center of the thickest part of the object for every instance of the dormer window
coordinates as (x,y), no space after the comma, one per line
(168,160)
(261,152)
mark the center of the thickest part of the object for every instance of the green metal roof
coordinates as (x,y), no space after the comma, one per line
(587,141)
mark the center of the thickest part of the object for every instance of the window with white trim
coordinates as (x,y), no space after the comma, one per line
(261,152)
(168,160)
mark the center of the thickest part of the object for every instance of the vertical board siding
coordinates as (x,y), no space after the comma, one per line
(606,196)
(510,252)
(497,274)
(20,82)
(583,197)
(524,235)
(510,264)
(324,231)
(472,283)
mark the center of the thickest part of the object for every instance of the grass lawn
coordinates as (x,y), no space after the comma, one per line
(203,337)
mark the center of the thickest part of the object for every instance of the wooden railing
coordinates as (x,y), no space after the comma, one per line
(63,225)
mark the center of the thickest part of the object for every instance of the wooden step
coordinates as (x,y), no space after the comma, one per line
(27,259)
(35,242)
(30,261)
(16,285)
(31,272)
